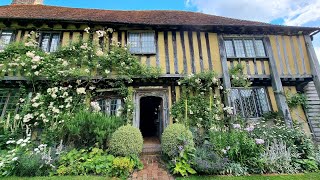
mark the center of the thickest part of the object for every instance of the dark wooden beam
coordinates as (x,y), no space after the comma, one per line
(225,70)
(277,85)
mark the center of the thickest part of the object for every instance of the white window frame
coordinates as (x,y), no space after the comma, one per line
(254,41)
(2,44)
(109,105)
(258,112)
(48,48)
(140,42)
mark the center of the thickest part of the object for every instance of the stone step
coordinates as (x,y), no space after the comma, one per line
(151,149)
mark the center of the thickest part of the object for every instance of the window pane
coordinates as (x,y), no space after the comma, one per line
(238,45)
(45,42)
(229,48)
(260,48)
(134,42)
(249,47)
(54,42)
(250,103)
(110,106)
(5,39)
(147,42)
(8,101)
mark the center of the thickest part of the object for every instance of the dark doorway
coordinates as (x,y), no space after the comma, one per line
(151,116)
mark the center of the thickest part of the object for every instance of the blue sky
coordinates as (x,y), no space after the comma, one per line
(285,12)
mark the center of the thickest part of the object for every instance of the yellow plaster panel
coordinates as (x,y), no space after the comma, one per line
(170,52)
(215,54)
(272,99)
(179,53)
(290,56)
(187,50)
(204,52)
(162,54)
(65,38)
(196,52)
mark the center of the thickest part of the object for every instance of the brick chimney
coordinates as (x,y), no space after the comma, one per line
(28,2)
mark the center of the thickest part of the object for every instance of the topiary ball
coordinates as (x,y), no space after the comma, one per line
(174,138)
(125,141)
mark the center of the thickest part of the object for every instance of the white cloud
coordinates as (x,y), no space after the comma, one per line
(292,12)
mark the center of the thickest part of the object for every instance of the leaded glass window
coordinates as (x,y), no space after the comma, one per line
(245,48)
(141,42)
(250,102)
(5,38)
(110,106)
(8,102)
(49,42)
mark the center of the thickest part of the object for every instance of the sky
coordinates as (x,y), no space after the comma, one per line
(284,12)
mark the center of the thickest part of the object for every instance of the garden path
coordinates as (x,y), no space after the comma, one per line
(153,169)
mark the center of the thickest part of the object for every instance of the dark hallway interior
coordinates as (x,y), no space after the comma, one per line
(150,107)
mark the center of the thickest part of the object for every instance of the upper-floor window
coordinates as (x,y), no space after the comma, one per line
(5,38)
(49,42)
(110,106)
(250,102)
(248,47)
(142,42)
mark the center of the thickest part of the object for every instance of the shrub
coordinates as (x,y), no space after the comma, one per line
(235,169)
(86,128)
(31,165)
(82,162)
(172,137)
(237,145)
(207,161)
(122,167)
(126,141)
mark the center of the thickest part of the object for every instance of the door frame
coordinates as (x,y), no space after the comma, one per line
(156,92)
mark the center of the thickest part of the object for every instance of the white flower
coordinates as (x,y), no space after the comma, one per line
(237,78)
(229,110)
(107,71)
(87,70)
(87,29)
(36,59)
(10,142)
(221,87)
(54,96)
(19,141)
(34,66)
(55,110)
(92,87)
(224,151)
(65,63)
(101,33)
(236,126)
(27,118)
(84,46)
(17,117)
(30,54)
(15,159)
(35,105)
(99,52)
(81,90)
(110,30)
(214,80)
(37,73)
(95,106)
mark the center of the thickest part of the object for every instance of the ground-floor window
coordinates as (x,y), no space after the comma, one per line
(8,101)
(250,102)
(110,106)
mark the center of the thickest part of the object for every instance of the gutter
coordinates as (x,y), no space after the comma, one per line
(314,33)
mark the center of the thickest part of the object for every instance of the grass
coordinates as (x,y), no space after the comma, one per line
(308,176)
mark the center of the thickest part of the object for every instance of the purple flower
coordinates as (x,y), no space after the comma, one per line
(180,148)
(259,141)
(249,128)
(236,126)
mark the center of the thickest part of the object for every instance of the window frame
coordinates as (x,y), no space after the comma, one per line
(140,32)
(242,113)
(50,39)
(110,98)
(12,38)
(7,98)
(253,39)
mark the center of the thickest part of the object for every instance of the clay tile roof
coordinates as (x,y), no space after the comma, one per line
(154,17)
